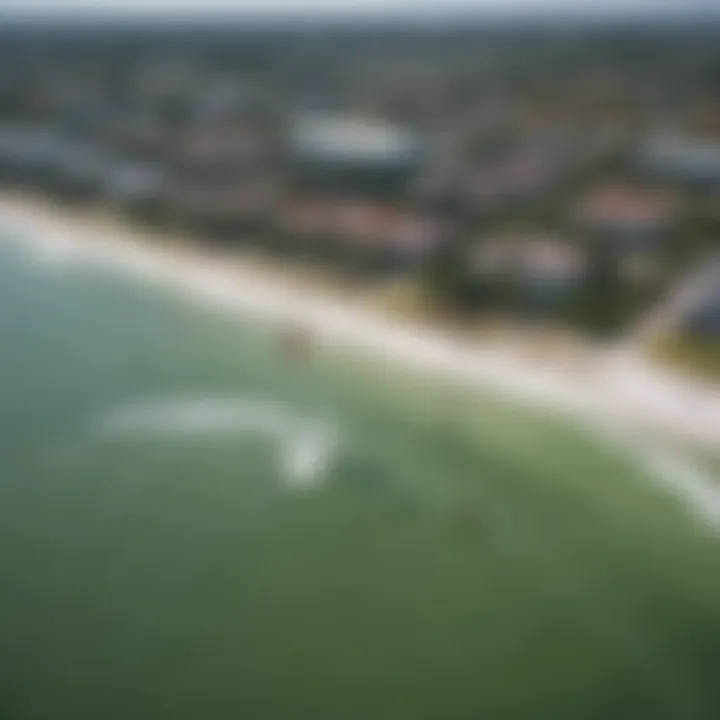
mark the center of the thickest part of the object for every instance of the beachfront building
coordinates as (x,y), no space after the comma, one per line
(234,211)
(380,239)
(304,227)
(79,170)
(48,159)
(632,218)
(529,272)
(225,179)
(357,235)
(28,154)
(138,188)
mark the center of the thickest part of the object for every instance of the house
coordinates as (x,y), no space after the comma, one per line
(704,319)
(535,258)
(137,187)
(50,161)
(686,158)
(218,149)
(360,234)
(80,170)
(634,218)
(509,182)
(437,187)
(397,240)
(305,225)
(28,153)
(232,210)
(413,238)
(540,269)
(551,266)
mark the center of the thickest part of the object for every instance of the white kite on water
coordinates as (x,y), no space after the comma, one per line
(307,447)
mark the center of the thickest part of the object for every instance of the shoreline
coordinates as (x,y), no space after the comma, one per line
(619,390)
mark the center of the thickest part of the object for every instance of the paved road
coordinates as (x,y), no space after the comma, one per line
(701,282)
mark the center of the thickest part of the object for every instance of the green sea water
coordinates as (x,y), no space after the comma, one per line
(460,558)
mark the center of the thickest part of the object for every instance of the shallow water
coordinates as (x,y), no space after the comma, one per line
(461,557)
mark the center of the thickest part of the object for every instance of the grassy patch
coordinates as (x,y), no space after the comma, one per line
(700,356)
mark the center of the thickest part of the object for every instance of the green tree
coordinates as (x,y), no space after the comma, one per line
(599,304)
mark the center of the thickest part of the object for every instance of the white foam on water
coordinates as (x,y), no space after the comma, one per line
(698,488)
(308,456)
(57,253)
(306,446)
(194,417)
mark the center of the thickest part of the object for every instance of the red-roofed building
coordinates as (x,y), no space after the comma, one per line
(363,234)
(634,218)
(544,267)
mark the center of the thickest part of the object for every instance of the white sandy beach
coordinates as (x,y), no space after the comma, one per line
(622,392)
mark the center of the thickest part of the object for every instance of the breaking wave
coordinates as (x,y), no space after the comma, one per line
(688,480)
(697,487)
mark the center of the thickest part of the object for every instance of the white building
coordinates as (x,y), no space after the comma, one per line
(352,140)
(682,157)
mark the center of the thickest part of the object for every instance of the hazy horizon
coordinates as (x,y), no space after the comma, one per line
(279,11)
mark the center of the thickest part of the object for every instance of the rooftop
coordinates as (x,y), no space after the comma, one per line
(529,257)
(352,139)
(363,223)
(625,207)
(691,155)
